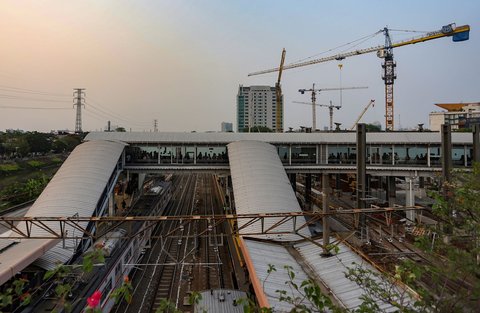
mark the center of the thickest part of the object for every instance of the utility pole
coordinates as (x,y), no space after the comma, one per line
(155,125)
(78,99)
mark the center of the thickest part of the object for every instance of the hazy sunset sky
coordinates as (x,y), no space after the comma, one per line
(181,62)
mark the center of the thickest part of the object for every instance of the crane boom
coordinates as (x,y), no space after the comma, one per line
(362,114)
(429,36)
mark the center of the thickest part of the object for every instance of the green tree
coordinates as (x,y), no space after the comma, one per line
(66,143)
(39,142)
(258,129)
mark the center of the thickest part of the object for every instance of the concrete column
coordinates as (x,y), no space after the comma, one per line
(141,180)
(325,222)
(337,182)
(476,143)
(421,182)
(447,163)
(293,181)
(391,190)
(308,188)
(361,171)
(111,204)
(410,198)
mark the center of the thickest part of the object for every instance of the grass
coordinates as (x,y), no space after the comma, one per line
(36,164)
(9,168)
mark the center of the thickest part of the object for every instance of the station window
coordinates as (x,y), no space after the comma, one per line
(127,256)
(435,156)
(342,154)
(458,156)
(106,290)
(304,154)
(118,269)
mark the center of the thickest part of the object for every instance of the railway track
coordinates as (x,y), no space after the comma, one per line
(181,261)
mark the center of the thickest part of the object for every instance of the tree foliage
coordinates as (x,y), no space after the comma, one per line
(257,129)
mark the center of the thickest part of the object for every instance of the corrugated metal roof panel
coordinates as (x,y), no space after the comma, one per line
(260,185)
(276,138)
(263,254)
(211,301)
(5,244)
(331,271)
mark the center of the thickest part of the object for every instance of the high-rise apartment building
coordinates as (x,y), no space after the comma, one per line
(257,106)
(226,127)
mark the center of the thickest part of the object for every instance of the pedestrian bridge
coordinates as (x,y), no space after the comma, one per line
(388,153)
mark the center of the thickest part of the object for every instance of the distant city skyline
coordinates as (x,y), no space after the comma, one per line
(181,62)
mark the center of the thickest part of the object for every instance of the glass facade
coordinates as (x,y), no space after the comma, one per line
(212,154)
(458,156)
(283,153)
(411,155)
(304,155)
(141,154)
(435,156)
(342,154)
(335,154)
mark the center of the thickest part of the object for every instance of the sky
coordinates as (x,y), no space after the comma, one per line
(181,62)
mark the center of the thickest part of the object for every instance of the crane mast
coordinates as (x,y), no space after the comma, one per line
(389,77)
(459,33)
(278,94)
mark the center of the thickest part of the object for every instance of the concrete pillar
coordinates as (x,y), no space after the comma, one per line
(447,163)
(410,198)
(308,188)
(111,204)
(476,143)
(361,171)
(141,180)
(325,222)
(391,190)
(421,182)
(293,181)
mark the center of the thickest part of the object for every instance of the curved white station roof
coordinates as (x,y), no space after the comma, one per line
(75,189)
(260,185)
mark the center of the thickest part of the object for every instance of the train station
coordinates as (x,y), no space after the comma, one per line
(229,216)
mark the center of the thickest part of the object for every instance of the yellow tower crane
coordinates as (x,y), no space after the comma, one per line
(459,33)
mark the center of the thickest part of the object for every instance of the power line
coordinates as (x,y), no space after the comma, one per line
(31,108)
(110,111)
(110,115)
(12,97)
(101,115)
(24,90)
